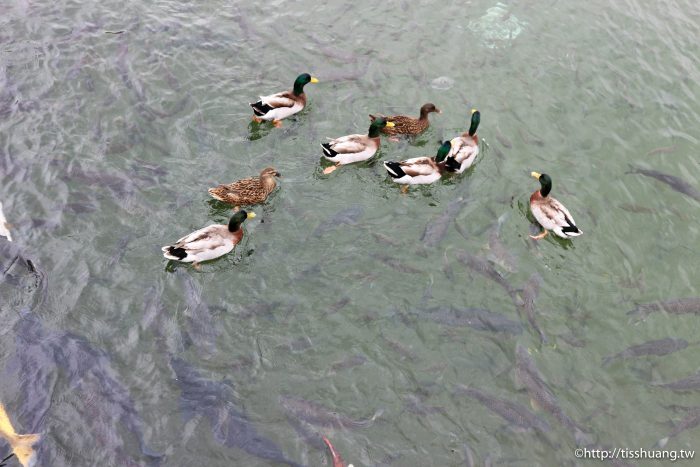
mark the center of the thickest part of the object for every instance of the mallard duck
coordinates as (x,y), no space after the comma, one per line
(550,213)
(404,125)
(419,170)
(208,243)
(253,190)
(354,148)
(275,107)
(465,148)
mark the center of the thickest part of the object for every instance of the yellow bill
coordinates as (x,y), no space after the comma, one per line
(536,175)
(390,124)
(314,80)
(250,215)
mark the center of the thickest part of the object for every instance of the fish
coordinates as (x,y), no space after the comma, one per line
(335,456)
(415,405)
(636,208)
(476,318)
(4,226)
(661,150)
(529,376)
(201,329)
(690,421)
(528,294)
(498,250)
(396,264)
(307,432)
(676,306)
(505,142)
(674,182)
(319,415)
(349,362)
(339,305)
(512,412)
(124,74)
(400,349)
(22,445)
(529,138)
(447,267)
(93,395)
(691,383)
(296,345)
(120,187)
(436,229)
(484,268)
(347,216)
(657,347)
(468,456)
(215,401)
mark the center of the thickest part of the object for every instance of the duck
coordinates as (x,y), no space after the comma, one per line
(276,107)
(465,148)
(354,148)
(404,125)
(249,191)
(208,243)
(419,170)
(549,212)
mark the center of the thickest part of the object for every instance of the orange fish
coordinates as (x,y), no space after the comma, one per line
(337,460)
(21,444)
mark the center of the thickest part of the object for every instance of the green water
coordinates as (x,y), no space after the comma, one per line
(579,90)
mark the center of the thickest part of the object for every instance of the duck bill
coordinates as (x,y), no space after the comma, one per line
(314,80)
(251,215)
(390,124)
(536,175)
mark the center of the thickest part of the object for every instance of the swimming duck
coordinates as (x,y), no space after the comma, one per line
(419,170)
(354,148)
(465,148)
(275,107)
(208,243)
(253,190)
(404,125)
(550,213)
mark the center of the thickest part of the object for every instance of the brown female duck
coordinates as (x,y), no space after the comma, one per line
(404,125)
(253,190)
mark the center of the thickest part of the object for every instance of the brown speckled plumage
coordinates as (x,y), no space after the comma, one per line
(253,190)
(404,125)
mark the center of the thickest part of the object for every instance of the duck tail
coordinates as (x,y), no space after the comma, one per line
(394,169)
(260,109)
(174,253)
(327,150)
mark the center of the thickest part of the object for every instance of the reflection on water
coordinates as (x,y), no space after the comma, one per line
(406,328)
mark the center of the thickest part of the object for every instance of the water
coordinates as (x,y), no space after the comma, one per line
(108,143)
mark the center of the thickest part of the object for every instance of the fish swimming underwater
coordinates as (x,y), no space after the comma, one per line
(231,427)
(337,460)
(64,376)
(317,414)
(22,445)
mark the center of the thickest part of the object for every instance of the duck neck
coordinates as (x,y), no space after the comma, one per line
(269,182)
(234,225)
(373,131)
(298,89)
(546,188)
